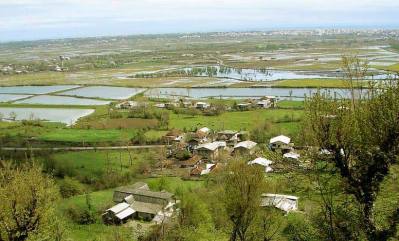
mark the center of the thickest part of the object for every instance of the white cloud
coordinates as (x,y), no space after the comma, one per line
(31,15)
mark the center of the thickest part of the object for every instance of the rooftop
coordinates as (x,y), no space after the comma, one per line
(280,138)
(246,144)
(261,161)
(148,193)
(212,146)
(131,188)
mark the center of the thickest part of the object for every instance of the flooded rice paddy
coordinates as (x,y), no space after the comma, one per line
(60,100)
(104,92)
(35,89)
(63,115)
(12,97)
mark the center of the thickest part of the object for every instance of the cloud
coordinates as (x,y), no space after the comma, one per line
(179,15)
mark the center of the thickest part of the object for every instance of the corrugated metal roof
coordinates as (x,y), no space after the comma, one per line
(118,207)
(125,213)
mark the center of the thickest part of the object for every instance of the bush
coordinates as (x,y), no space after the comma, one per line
(82,215)
(70,187)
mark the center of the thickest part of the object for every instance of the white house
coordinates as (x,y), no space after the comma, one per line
(245,147)
(286,203)
(202,105)
(210,150)
(280,142)
(262,162)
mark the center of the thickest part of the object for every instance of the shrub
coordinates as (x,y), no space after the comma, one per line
(82,215)
(70,187)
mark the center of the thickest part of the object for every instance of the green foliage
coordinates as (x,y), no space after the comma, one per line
(242,184)
(82,215)
(27,199)
(363,136)
(70,187)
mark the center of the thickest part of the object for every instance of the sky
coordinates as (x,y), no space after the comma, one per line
(43,19)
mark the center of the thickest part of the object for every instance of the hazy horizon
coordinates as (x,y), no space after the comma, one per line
(45,19)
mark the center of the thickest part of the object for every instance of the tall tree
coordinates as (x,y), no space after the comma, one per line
(27,199)
(242,191)
(362,135)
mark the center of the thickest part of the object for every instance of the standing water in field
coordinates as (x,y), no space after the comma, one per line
(67,116)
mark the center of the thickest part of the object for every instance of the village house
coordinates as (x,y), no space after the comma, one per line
(197,138)
(129,105)
(174,136)
(160,105)
(280,142)
(245,148)
(285,203)
(263,163)
(138,201)
(229,136)
(202,105)
(192,162)
(244,106)
(211,150)
(267,102)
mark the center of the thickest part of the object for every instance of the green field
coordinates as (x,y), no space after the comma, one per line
(90,135)
(311,83)
(244,120)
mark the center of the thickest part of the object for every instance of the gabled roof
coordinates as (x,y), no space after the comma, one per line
(280,138)
(261,161)
(125,213)
(273,195)
(246,144)
(148,193)
(121,210)
(131,188)
(211,146)
(118,207)
(227,132)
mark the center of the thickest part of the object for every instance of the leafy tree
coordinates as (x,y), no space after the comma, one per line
(27,200)
(362,135)
(242,191)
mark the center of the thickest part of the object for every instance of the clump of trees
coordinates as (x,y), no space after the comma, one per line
(362,136)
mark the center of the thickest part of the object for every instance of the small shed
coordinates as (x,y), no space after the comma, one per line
(202,105)
(280,142)
(210,150)
(286,203)
(119,213)
(263,162)
(245,148)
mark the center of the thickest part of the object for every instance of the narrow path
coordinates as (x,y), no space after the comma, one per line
(78,148)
